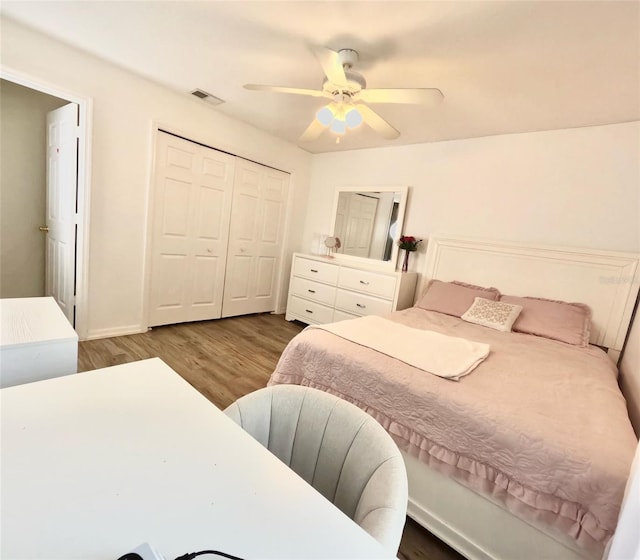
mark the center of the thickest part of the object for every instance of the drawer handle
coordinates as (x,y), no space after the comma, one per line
(313,270)
(309,311)
(361,306)
(363,282)
(311,291)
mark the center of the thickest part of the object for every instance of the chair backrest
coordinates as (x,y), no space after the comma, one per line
(337,448)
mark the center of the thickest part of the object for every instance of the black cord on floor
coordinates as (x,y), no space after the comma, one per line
(192,555)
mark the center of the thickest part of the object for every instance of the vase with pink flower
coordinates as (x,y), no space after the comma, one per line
(409,244)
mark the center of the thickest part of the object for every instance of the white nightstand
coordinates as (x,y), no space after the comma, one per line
(36,341)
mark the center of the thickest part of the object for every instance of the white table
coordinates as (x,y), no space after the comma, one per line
(97,463)
(36,341)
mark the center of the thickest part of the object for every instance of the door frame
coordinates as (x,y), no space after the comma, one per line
(85,125)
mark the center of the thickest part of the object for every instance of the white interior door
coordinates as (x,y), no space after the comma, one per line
(380,232)
(255,239)
(62,181)
(342,211)
(359,223)
(192,205)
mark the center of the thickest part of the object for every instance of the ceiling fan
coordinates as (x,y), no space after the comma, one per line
(350,97)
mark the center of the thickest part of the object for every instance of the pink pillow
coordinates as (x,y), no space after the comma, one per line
(558,320)
(453,298)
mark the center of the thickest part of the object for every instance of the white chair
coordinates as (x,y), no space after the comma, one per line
(337,448)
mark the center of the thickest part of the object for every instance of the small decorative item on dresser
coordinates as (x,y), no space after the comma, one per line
(333,244)
(409,244)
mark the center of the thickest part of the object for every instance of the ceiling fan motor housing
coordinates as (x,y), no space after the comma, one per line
(348,57)
(355,82)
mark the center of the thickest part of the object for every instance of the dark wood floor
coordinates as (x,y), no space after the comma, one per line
(224,360)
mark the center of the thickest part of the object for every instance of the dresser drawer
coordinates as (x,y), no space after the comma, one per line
(361,304)
(342,316)
(315,291)
(316,270)
(367,282)
(310,311)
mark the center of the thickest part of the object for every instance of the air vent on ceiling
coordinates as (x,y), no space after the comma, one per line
(201,94)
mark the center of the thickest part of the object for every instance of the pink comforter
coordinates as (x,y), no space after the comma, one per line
(539,425)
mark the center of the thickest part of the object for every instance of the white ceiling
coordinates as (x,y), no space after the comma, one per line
(503,67)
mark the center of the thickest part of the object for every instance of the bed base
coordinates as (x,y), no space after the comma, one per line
(608,282)
(476,527)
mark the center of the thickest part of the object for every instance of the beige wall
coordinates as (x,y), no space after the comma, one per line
(125,109)
(577,187)
(23,114)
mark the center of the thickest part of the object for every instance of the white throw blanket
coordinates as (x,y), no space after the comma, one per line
(439,354)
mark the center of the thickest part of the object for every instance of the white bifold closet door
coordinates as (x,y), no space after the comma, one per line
(192,208)
(218,224)
(255,239)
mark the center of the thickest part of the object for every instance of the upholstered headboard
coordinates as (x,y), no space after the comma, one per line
(606,281)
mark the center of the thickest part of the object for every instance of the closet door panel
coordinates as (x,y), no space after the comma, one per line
(180,157)
(171,286)
(175,209)
(204,291)
(238,290)
(192,204)
(171,281)
(211,223)
(265,277)
(215,170)
(211,234)
(272,221)
(255,239)
(245,215)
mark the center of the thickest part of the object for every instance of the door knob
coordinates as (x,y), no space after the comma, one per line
(44,229)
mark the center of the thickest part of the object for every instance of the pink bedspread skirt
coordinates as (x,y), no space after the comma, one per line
(540,427)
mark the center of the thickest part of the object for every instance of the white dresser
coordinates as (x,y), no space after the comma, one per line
(324,290)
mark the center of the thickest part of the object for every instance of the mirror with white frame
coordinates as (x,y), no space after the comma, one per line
(368,222)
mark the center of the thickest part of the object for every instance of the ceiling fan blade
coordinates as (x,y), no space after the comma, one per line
(375,121)
(418,96)
(280,89)
(331,65)
(314,130)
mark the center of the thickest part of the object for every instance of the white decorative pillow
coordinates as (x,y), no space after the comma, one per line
(493,314)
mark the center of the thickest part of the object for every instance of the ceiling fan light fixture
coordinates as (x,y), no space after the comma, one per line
(353,118)
(325,116)
(338,126)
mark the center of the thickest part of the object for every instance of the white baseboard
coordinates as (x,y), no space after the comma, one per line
(116,331)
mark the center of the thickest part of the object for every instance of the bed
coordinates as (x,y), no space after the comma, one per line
(527,455)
